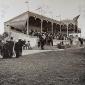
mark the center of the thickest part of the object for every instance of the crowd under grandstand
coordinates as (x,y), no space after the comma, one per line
(28,21)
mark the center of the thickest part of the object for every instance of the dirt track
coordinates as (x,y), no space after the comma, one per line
(47,68)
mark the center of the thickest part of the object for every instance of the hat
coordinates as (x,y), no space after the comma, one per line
(7,40)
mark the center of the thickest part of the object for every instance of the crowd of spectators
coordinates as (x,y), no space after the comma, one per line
(9,48)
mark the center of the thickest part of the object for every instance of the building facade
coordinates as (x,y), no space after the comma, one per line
(28,21)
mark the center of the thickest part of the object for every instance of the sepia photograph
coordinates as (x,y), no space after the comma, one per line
(42,42)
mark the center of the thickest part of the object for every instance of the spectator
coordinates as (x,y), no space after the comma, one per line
(1,47)
(18,48)
(28,45)
(42,41)
(11,46)
(6,50)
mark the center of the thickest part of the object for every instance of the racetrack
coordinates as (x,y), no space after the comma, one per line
(65,67)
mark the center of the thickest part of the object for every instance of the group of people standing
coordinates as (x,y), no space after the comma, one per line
(45,39)
(10,48)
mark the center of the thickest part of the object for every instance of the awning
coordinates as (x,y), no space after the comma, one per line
(18,24)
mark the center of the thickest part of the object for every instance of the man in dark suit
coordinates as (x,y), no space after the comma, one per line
(18,48)
(1,47)
(11,46)
(6,50)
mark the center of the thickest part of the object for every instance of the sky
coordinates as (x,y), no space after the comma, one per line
(67,9)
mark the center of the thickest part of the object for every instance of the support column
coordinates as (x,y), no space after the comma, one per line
(74,29)
(41,25)
(60,28)
(28,25)
(52,27)
(60,23)
(77,27)
(67,29)
(27,2)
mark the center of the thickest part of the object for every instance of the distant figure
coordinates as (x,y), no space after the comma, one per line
(62,43)
(21,43)
(38,42)
(48,39)
(51,39)
(31,32)
(24,44)
(71,41)
(28,45)
(81,41)
(42,41)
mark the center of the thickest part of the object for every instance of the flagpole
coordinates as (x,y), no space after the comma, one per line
(27,2)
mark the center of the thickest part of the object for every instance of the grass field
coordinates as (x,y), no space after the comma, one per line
(47,68)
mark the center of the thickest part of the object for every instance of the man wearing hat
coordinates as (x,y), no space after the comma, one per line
(11,46)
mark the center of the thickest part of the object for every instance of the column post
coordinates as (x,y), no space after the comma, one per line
(52,27)
(60,24)
(27,2)
(60,27)
(67,29)
(41,25)
(27,22)
(77,27)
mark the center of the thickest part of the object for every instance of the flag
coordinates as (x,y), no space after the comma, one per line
(76,18)
(38,8)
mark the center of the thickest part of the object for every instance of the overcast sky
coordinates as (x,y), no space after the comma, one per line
(50,8)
